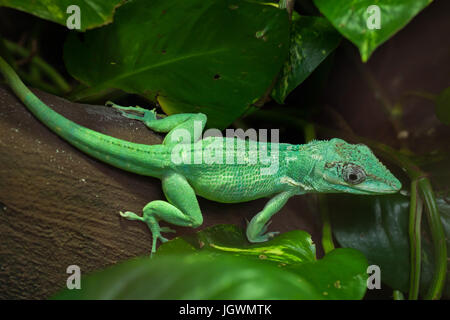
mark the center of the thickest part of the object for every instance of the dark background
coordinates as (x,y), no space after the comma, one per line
(59,207)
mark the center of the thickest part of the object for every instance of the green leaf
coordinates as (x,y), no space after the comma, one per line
(217,57)
(193,277)
(443,106)
(312,40)
(290,247)
(93,13)
(339,275)
(219,263)
(378,227)
(352,19)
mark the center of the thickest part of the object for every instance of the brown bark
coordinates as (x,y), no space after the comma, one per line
(60,207)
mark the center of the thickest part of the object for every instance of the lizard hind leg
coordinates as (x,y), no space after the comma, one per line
(181,209)
(153,225)
(192,123)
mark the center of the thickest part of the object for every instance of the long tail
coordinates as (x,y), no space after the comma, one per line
(137,158)
(46,115)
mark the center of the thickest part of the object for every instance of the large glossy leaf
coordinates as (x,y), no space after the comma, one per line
(378,227)
(339,275)
(184,276)
(312,40)
(217,57)
(350,18)
(93,13)
(219,263)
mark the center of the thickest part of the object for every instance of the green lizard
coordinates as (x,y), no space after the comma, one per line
(280,171)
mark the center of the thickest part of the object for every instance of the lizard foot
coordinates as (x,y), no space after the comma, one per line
(156,233)
(262,236)
(153,226)
(136,113)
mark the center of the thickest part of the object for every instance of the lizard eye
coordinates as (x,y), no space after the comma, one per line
(353,174)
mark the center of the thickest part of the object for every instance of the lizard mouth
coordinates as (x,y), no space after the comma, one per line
(368,188)
(376,191)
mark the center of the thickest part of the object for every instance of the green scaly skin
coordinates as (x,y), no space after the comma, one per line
(319,166)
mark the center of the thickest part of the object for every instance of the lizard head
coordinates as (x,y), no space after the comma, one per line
(353,168)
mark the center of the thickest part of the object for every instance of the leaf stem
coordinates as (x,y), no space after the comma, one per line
(93,94)
(438,236)
(422,94)
(415,218)
(327,236)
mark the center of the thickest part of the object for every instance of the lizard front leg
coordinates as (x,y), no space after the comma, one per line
(182,208)
(258,225)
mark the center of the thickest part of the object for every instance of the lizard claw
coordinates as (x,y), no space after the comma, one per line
(261,235)
(162,239)
(130,215)
(264,229)
(167,229)
(136,113)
